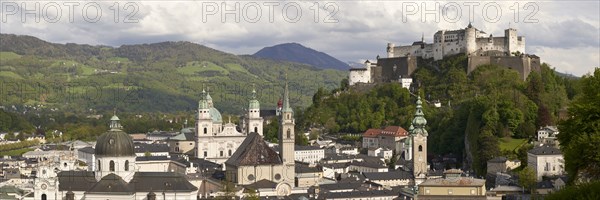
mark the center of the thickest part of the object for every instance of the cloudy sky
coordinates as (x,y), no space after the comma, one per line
(565,34)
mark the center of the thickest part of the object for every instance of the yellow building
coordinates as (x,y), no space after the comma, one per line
(452,186)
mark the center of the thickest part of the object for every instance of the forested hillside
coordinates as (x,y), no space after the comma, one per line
(492,108)
(165,77)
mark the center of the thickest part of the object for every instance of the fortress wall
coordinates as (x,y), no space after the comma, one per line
(475,61)
(524,65)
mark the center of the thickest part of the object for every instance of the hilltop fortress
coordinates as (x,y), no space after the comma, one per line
(481,49)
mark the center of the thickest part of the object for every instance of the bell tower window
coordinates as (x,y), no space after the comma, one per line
(127,165)
(289,133)
(420,148)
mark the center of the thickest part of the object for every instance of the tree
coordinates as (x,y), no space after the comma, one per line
(228,191)
(252,195)
(527,179)
(580,134)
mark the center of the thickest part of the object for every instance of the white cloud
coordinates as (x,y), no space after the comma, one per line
(564,29)
(576,61)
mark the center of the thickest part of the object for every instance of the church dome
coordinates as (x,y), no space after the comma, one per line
(115,142)
(215,115)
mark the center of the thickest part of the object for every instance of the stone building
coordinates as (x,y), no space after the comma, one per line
(216,141)
(546,161)
(116,175)
(470,41)
(255,163)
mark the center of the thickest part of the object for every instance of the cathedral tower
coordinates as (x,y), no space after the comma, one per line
(286,138)
(419,144)
(255,122)
(204,123)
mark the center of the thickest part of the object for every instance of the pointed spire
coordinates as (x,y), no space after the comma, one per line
(419,121)
(286,97)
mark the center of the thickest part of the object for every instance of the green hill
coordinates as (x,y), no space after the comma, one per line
(166,77)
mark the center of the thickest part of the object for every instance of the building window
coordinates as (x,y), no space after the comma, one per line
(111,166)
(277,176)
(99,165)
(420,148)
(221,153)
(229,152)
(256,129)
(250,177)
(205,154)
(127,165)
(205,130)
(289,133)
(44,196)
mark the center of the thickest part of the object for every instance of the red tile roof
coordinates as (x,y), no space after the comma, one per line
(372,132)
(396,131)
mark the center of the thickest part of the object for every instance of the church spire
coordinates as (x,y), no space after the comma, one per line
(286,97)
(419,121)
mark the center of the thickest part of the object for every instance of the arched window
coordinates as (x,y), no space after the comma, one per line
(229,152)
(111,166)
(99,165)
(205,130)
(289,133)
(127,165)
(420,148)
(256,129)
(44,197)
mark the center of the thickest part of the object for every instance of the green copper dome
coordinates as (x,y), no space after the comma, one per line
(254,104)
(215,115)
(419,121)
(203,103)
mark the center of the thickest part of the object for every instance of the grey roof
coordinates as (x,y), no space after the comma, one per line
(111,184)
(114,143)
(499,159)
(340,186)
(355,194)
(305,148)
(545,150)
(158,181)
(143,147)
(545,184)
(368,164)
(76,180)
(141,182)
(89,150)
(392,175)
(304,168)
(253,151)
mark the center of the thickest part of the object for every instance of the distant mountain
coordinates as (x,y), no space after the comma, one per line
(295,52)
(165,76)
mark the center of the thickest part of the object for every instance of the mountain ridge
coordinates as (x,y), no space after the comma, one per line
(296,52)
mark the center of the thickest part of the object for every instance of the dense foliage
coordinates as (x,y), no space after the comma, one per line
(585,191)
(478,109)
(580,134)
(161,77)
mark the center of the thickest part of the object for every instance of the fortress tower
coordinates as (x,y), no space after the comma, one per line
(470,41)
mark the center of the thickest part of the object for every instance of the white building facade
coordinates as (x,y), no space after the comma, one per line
(216,141)
(546,161)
